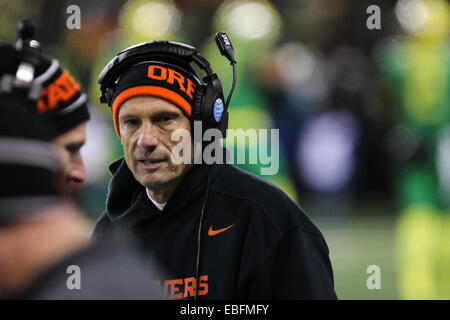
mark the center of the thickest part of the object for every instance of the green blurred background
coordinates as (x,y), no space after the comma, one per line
(363,113)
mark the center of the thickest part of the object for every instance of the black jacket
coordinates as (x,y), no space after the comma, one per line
(256,243)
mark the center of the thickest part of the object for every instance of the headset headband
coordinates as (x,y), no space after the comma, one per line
(138,53)
(208,103)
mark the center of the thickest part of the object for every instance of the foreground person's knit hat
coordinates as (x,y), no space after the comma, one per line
(61,104)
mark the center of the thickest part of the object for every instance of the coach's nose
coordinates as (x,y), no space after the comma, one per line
(147,137)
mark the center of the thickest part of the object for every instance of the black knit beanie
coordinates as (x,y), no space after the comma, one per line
(166,77)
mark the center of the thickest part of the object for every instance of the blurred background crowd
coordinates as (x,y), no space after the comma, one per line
(363,114)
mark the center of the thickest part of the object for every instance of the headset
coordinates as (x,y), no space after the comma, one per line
(208,103)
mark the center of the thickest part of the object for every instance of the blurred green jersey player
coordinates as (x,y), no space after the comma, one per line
(418,70)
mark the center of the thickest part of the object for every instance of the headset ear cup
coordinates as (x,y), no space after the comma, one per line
(198,103)
(109,94)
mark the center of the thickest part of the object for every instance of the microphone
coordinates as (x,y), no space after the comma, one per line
(226,49)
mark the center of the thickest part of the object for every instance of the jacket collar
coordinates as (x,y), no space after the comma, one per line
(128,202)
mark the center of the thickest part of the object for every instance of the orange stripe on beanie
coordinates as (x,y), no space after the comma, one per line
(160,92)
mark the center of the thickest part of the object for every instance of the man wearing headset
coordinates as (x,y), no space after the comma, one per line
(219,232)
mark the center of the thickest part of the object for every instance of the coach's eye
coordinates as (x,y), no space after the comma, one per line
(131,122)
(165,118)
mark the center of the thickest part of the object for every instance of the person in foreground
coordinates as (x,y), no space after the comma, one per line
(219,232)
(45,248)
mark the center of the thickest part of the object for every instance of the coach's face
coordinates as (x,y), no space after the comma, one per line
(146,125)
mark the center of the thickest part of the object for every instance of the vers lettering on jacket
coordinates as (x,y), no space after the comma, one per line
(256,242)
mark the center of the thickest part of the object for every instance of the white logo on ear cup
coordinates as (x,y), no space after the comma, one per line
(218,109)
